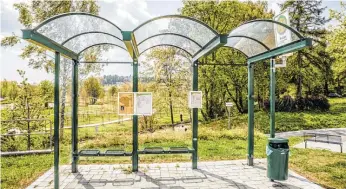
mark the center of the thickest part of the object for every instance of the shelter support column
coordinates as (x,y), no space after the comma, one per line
(250,113)
(272,97)
(195,118)
(135,121)
(74,133)
(56,120)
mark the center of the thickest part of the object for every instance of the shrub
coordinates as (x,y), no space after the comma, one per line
(288,104)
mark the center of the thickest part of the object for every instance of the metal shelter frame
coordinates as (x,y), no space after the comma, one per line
(40,35)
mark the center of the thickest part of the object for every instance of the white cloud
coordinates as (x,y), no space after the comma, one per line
(127,14)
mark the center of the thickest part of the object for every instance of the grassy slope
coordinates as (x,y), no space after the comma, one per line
(334,118)
(215,143)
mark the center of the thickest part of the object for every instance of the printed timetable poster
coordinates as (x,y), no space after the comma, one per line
(144,103)
(195,99)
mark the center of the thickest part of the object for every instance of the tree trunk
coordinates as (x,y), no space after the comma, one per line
(299,82)
(339,85)
(28,117)
(326,86)
(63,99)
(171,108)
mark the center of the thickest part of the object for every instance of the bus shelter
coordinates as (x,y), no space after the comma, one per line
(71,34)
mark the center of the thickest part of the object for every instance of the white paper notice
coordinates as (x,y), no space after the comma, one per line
(195,99)
(144,103)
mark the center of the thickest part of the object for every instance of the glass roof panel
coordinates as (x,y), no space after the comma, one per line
(68,25)
(110,53)
(174,40)
(178,25)
(247,46)
(263,32)
(81,42)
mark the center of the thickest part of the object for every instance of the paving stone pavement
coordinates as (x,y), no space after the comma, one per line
(217,174)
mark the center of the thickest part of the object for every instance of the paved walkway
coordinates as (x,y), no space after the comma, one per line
(219,174)
(100,124)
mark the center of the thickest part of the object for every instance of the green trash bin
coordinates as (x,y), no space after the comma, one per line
(277,158)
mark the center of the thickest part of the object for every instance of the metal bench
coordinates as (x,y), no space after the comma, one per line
(89,153)
(106,153)
(147,150)
(170,150)
(323,138)
(153,150)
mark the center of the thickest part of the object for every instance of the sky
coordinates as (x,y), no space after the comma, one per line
(127,14)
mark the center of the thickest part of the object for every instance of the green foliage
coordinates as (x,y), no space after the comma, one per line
(220,84)
(9,90)
(46,90)
(307,64)
(28,104)
(93,88)
(310,103)
(171,73)
(113,91)
(337,44)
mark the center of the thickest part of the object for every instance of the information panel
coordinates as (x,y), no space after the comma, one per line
(282,34)
(135,103)
(195,99)
(125,103)
(144,103)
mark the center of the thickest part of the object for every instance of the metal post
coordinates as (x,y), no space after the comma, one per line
(250,113)
(272,98)
(229,118)
(56,120)
(135,121)
(195,118)
(74,116)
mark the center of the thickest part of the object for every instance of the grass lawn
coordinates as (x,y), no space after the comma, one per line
(215,143)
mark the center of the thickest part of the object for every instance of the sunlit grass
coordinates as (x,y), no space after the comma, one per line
(215,143)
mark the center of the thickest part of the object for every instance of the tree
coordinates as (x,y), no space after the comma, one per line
(219,84)
(306,17)
(337,43)
(28,105)
(113,90)
(170,70)
(93,88)
(33,12)
(46,90)
(9,89)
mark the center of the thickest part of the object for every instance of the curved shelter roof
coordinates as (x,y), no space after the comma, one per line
(72,33)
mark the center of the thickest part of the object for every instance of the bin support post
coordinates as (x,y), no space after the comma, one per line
(74,116)
(195,118)
(135,120)
(272,98)
(250,113)
(56,120)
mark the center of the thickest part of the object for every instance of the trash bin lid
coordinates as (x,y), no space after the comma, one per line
(278,140)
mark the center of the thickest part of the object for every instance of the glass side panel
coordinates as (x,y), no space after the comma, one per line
(263,31)
(81,42)
(189,28)
(245,45)
(178,41)
(65,27)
